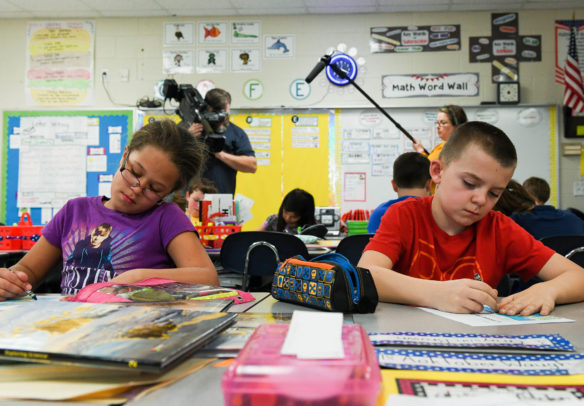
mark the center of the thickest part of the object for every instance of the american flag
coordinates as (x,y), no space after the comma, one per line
(574,90)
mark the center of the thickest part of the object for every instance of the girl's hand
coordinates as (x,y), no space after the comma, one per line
(465,296)
(537,298)
(13,284)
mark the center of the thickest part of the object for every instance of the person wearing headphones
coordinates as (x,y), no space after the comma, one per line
(449,117)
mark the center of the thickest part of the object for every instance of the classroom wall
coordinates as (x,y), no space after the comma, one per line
(137,44)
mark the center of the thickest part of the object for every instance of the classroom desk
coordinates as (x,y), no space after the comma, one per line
(204,386)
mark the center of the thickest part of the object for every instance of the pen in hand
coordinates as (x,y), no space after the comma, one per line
(28,292)
(485,307)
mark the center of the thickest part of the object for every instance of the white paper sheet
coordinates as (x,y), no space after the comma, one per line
(315,335)
(496,319)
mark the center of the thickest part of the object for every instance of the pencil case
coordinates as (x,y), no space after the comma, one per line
(327,282)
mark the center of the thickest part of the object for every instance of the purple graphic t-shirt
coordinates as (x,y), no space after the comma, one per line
(99,243)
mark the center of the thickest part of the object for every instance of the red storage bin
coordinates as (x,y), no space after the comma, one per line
(27,233)
(8,241)
(213,236)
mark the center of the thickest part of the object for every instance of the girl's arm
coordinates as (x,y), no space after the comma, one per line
(30,270)
(193,265)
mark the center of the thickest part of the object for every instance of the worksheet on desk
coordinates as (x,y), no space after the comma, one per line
(496,319)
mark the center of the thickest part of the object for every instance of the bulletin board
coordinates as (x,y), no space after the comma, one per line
(292,150)
(106,133)
(368,143)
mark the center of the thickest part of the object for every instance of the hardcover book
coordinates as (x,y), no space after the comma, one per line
(150,338)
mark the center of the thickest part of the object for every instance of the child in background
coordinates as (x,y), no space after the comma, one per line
(195,194)
(514,199)
(411,178)
(296,211)
(147,236)
(544,220)
(450,251)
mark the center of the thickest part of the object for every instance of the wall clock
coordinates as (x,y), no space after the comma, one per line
(508,92)
(347,64)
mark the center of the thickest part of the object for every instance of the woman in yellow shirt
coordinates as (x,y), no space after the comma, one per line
(449,117)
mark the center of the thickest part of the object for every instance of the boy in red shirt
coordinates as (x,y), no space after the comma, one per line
(450,251)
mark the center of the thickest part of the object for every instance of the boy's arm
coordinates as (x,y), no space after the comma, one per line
(564,283)
(193,265)
(30,270)
(456,296)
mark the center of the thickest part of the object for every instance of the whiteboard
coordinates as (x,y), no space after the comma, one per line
(368,143)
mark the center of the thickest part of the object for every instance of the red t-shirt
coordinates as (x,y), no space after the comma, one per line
(493,246)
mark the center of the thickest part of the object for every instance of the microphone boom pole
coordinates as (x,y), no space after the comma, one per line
(343,75)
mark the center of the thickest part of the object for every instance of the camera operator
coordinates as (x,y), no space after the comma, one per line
(237,154)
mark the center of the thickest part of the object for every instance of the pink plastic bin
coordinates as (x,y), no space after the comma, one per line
(260,375)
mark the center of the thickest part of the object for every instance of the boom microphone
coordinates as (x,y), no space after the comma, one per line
(320,65)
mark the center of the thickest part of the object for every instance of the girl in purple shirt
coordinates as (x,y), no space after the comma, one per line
(132,236)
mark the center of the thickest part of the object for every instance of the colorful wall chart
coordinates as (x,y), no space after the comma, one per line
(59,63)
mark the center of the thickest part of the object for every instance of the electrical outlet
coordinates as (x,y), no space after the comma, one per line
(578,188)
(104,74)
(124,75)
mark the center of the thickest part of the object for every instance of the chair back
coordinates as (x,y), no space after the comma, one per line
(352,247)
(257,253)
(563,244)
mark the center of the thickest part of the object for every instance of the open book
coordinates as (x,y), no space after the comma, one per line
(151,338)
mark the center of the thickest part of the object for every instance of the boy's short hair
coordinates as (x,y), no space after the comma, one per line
(538,188)
(489,138)
(411,170)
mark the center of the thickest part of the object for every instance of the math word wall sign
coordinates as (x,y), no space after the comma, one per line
(430,85)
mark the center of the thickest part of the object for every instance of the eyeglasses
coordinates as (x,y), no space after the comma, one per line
(442,123)
(133,181)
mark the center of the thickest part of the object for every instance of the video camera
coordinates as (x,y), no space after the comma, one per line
(193,109)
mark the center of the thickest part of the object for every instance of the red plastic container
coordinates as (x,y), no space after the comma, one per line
(20,237)
(213,236)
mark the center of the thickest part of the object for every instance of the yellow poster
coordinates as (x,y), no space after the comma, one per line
(306,152)
(59,63)
(265,186)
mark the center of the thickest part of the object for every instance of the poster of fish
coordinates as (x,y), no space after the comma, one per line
(149,338)
(212,32)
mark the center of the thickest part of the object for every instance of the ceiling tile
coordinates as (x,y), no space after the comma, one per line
(266,5)
(342,10)
(53,6)
(273,11)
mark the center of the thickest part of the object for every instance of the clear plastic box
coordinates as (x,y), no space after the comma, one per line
(261,376)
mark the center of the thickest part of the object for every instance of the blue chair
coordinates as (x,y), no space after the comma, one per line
(352,247)
(256,254)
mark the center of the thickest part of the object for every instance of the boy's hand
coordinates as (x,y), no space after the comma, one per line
(465,296)
(13,284)
(537,298)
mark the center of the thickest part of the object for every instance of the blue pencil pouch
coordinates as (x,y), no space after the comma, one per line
(327,282)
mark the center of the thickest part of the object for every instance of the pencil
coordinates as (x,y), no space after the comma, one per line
(28,292)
